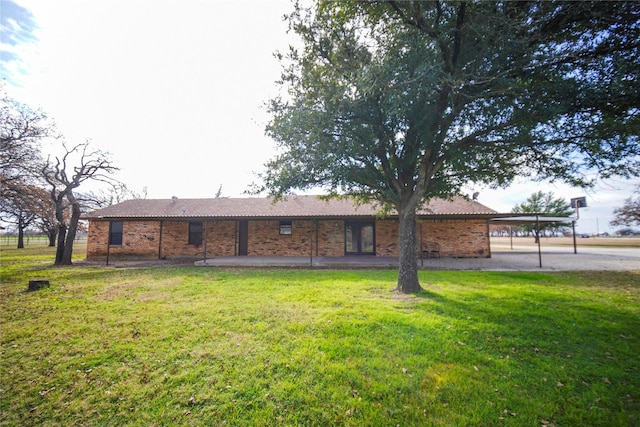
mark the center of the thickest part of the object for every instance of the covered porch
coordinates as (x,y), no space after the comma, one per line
(556,259)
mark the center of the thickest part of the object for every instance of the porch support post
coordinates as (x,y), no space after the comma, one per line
(204,236)
(160,240)
(235,238)
(108,243)
(310,243)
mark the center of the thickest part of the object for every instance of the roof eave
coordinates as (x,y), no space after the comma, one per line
(480,215)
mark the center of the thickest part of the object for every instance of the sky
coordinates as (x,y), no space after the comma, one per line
(175,91)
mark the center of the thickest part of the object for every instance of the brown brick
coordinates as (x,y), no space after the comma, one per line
(169,238)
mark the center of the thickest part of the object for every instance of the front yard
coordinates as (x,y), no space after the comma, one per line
(193,346)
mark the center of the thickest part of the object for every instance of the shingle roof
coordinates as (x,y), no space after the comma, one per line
(291,207)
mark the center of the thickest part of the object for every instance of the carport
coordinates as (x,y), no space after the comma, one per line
(536,219)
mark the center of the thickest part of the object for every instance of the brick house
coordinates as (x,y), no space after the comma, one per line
(297,226)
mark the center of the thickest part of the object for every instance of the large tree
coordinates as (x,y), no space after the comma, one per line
(64,174)
(400,102)
(24,205)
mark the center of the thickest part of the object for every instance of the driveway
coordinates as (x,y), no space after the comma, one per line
(554,259)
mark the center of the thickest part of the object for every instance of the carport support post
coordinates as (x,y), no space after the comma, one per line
(511,236)
(538,233)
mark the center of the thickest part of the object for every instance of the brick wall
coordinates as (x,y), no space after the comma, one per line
(221,238)
(457,238)
(142,239)
(330,238)
(321,238)
(175,241)
(139,239)
(265,239)
(97,235)
(387,238)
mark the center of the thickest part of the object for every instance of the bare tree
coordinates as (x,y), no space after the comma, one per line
(116,193)
(21,129)
(629,213)
(21,205)
(64,178)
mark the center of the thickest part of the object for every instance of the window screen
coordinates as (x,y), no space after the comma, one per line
(115,233)
(195,232)
(285,228)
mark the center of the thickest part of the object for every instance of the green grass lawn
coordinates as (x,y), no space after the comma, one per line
(204,346)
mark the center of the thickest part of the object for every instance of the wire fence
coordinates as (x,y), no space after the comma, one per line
(37,240)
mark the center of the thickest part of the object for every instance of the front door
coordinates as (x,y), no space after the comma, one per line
(359,238)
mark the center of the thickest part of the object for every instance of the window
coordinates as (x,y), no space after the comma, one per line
(285,228)
(115,233)
(195,232)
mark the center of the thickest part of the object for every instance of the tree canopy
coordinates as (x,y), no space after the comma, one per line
(544,203)
(399,102)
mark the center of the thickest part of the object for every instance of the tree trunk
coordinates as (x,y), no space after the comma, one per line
(62,235)
(20,234)
(52,237)
(71,232)
(407,241)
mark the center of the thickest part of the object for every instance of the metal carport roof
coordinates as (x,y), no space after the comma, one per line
(537,218)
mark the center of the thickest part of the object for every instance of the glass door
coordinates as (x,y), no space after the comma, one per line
(359,238)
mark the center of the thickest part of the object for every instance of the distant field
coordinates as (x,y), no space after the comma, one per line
(13,241)
(568,241)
